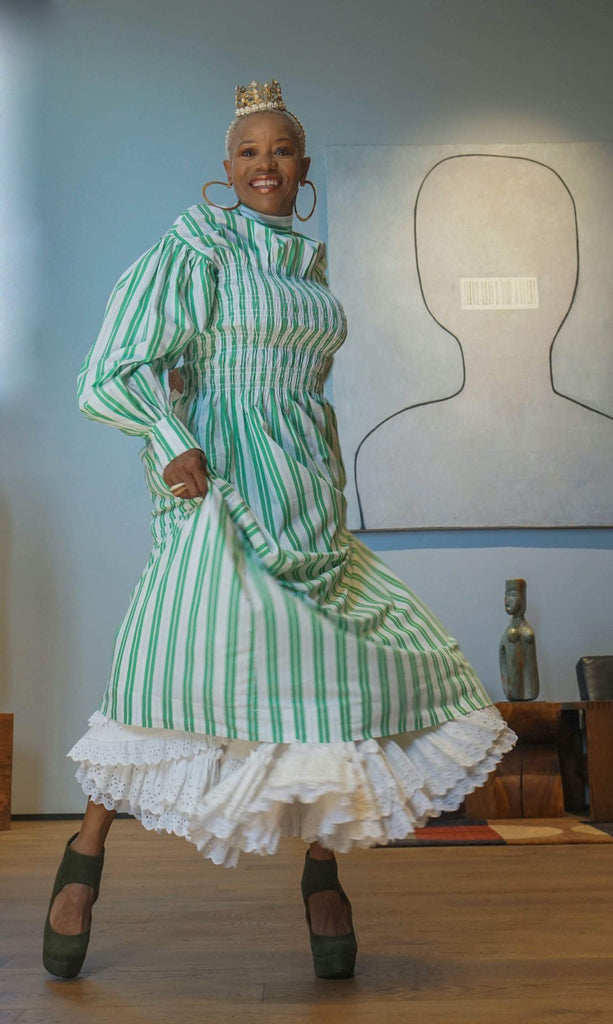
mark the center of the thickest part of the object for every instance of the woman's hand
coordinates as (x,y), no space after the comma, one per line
(189,469)
(176,381)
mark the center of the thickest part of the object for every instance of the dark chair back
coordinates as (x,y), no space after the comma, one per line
(595,677)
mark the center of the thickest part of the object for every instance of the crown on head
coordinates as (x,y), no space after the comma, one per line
(258,96)
(262,96)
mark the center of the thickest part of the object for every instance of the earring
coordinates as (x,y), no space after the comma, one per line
(307,182)
(228,185)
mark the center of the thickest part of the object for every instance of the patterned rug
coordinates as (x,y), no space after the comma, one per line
(449,831)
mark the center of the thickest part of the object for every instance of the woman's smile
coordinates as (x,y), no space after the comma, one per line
(266,184)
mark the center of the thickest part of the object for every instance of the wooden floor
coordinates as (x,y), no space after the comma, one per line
(447,936)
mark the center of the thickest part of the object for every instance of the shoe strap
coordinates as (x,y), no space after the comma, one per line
(79,867)
(319,876)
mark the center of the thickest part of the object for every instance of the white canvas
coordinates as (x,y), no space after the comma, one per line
(456,415)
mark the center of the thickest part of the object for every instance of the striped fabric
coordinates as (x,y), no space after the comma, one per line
(258,614)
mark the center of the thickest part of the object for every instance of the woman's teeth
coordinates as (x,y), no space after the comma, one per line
(265,183)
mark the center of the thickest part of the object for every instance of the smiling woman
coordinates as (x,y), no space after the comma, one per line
(271,675)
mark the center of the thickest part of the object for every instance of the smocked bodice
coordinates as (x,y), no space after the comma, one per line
(270,317)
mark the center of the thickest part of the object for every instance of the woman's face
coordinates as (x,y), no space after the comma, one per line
(265,166)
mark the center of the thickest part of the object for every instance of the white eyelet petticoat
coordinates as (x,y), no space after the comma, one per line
(230,796)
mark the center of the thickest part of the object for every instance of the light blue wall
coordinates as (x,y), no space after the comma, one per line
(128,103)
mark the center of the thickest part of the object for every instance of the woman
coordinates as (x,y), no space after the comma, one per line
(271,675)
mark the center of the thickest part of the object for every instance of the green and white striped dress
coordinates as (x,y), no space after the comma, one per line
(259,618)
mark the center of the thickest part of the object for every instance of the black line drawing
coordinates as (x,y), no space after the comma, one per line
(455,393)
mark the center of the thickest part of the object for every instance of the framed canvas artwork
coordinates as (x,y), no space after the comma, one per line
(475,387)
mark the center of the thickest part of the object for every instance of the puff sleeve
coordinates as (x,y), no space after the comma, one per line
(158,306)
(320,266)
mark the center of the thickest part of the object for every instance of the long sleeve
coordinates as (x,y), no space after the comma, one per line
(160,304)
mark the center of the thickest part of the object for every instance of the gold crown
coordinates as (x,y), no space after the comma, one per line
(263,96)
(258,96)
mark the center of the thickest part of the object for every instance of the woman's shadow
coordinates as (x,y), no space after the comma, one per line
(502,444)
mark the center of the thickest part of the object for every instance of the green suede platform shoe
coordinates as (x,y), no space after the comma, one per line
(63,955)
(333,955)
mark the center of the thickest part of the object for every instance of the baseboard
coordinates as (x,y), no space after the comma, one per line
(59,817)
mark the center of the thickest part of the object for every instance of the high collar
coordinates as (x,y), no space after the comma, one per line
(212,230)
(279,223)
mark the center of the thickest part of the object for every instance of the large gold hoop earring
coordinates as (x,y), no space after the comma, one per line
(307,182)
(228,185)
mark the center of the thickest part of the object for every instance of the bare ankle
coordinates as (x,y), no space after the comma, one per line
(90,847)
(95,825)
(318,852)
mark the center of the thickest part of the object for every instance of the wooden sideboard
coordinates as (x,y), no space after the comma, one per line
(6,769)
(564,750)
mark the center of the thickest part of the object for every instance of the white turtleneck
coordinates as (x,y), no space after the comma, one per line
(273,220)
